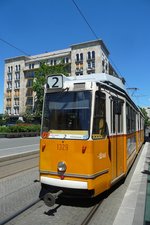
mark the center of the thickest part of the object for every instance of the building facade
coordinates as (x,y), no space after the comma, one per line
(84,58)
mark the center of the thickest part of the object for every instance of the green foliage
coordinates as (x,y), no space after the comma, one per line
(2,122)
(31,118)
(5,119)
(3,129)
(146,120)
(40,79)
(20,128)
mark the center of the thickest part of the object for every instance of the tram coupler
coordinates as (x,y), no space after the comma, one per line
(50,198)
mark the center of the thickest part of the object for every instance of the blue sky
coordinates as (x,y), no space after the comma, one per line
(38,26)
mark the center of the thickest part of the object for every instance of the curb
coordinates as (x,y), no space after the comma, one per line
(18,155)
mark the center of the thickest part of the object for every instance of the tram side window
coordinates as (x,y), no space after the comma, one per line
(116,118)
(112,113)
(99,123)
(130,119)
(120,120)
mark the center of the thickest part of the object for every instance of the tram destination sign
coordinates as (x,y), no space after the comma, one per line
(55,81)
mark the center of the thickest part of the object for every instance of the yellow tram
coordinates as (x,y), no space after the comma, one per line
(91,133)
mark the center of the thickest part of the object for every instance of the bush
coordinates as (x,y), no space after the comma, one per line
(3,129)
(20,128)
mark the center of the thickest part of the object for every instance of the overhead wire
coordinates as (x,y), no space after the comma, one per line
(82,15)
(13,46)
(92,30)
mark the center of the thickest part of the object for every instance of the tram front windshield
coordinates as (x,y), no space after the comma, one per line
(67,115)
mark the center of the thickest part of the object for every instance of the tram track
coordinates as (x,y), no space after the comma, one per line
(19,164)
(14,215)
(35,204)
(91,214)
(19,192)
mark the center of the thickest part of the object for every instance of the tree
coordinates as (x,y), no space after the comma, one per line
(146,118)
(40,79)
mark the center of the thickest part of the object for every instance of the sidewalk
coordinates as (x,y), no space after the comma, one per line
(133,210)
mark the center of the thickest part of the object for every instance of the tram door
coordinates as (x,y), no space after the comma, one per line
(117,140)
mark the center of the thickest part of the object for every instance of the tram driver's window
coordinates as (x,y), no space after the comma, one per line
(99,123)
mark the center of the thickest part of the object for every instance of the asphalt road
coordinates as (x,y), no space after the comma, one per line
(11,146)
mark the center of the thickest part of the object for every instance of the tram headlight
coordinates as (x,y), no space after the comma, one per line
(61,166)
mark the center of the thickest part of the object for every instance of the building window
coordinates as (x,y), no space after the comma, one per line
(89,55)
(65,60)
(8,110)
(51,62)
(8,102)
(17,68)
(31,66)
(93,54)
(10,69)
(77,57)
(29,83)
(16,102)
(17,76)
(81,56)
(16,110)
(16,94)
(91,64)
(29,74)
(29,101)
(9,77)
(9,85)
(9,94)
(17,84)
(29,92)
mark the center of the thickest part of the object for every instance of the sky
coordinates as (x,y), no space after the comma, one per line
(38,26)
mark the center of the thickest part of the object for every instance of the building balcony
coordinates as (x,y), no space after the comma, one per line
(8,97)
(29,95)
(9,88)
(79,70)
(9,81)
(16,88)
(17,79)
(29,69)
(29,103)
(16,96)
(89,69)
(16,105)
(90,59)
(29,86)
(9,72)
(79,61)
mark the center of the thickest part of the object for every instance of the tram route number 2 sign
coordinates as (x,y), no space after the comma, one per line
(55,81)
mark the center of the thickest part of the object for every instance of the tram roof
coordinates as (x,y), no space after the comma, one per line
(99,77)
(109,80)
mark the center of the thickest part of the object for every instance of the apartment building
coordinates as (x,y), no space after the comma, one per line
(84,58)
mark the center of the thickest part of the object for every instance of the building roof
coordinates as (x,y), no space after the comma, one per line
(94,42)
